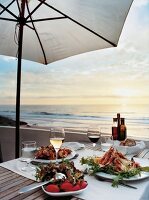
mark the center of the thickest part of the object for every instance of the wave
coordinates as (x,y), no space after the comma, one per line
(9,111)
(68,115)
(49,113)
(79,115)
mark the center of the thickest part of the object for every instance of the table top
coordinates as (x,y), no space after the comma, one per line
(11,182)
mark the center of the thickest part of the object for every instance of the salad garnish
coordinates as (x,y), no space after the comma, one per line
(74,177)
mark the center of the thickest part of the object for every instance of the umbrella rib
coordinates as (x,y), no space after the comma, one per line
(7,6)
(7,19)
(6,9)
(31,13)
(18,7)
(45,19)
(37,35)
(113,44)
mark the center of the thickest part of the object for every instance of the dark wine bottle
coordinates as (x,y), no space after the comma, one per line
(123,130)
(118,125)
(114,129)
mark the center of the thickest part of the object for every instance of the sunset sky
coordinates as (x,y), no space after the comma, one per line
(110,76)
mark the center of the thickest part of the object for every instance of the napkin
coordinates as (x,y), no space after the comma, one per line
(73,145)
(16,166)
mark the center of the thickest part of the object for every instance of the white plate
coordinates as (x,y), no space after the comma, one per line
(60,194)
(69,157)
(144,175)
(134,178)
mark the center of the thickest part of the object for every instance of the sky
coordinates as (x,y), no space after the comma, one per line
(110,76)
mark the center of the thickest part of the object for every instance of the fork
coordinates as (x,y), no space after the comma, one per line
(138,154)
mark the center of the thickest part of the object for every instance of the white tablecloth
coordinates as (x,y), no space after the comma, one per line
(96,189)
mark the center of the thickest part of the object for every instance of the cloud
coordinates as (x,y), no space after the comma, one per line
(140,3)
(91,75)
(8,59)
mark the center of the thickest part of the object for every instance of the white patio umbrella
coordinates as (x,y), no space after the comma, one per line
(45,31)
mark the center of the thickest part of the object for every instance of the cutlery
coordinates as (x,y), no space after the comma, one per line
(127,185)
(120,183)
(33,186)
(76,155)
(138,154)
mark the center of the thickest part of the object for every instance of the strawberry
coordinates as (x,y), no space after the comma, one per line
(66,186)
(83,184)
(76,187)
(52,188)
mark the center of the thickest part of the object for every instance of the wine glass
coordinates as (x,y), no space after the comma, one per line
(106,138)
(57,136)
(28,152)
(93,134)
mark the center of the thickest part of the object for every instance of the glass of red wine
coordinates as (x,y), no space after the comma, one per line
(93,134)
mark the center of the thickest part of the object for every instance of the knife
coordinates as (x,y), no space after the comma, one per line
(120,183)
(126,185)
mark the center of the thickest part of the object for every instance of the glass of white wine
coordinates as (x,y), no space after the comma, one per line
(28,152)
(57,136)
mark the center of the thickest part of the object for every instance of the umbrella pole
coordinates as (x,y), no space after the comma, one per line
(20,42)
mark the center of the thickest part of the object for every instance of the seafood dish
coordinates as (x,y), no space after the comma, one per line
(116,160)
(48,153)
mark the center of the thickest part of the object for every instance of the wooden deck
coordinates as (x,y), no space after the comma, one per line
(11,182)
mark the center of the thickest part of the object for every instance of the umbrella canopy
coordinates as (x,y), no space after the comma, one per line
(45,31)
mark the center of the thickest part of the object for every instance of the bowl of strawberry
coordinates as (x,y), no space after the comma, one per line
(73,183)
(65,188)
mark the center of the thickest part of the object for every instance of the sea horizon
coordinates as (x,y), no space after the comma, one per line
(79,116)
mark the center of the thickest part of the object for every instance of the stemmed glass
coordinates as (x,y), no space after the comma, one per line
(57,136)
(28,152)
(106,138)
(93,134)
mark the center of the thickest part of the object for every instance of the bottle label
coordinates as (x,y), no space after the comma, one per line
(122,135)
(114,133)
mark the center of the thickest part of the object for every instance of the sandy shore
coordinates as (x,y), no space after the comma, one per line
(5,121)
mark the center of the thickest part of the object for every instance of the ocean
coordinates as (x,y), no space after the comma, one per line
(81,116)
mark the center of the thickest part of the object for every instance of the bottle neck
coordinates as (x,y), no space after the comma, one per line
(122,121)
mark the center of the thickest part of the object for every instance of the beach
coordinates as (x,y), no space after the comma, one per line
(80,117)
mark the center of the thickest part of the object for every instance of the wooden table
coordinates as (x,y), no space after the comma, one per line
(11,182)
